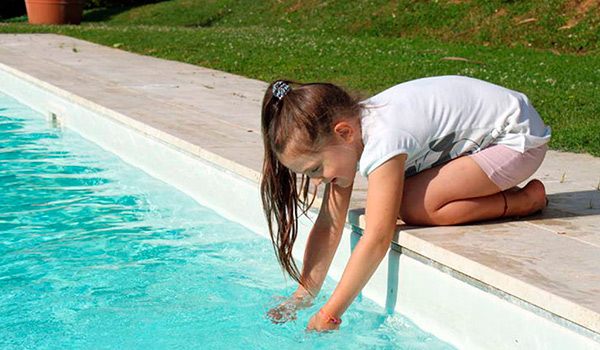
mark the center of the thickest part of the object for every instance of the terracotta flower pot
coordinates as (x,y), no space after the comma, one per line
(54,11)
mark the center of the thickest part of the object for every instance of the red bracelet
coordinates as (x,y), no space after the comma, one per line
(330,319)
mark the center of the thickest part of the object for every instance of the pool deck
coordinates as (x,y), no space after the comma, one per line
(550,261)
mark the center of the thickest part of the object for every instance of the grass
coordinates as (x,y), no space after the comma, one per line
(264,40)
(560,25)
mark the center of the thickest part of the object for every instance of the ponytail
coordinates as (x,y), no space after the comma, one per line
(299,118)
(281,200)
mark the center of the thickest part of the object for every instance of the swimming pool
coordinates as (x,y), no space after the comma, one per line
(95,253)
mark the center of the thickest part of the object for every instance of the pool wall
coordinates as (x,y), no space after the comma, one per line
(452,306)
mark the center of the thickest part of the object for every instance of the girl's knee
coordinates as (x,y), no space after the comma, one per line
(424,218)
(444,220)
(415,217)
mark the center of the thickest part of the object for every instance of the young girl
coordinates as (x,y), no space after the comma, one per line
(436,151)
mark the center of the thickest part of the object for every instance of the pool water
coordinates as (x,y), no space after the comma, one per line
(96,254)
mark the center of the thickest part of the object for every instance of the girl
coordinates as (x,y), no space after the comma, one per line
(436,151)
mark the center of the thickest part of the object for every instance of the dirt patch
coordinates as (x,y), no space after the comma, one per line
(528,17)
(295,7)
(304,5)
(578,10)
(584,6)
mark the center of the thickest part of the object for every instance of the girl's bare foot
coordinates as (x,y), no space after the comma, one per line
(514,189)
(528,200)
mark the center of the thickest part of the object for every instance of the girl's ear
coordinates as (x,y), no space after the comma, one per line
(344,130)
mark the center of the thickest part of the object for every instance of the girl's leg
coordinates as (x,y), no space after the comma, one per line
(459,192)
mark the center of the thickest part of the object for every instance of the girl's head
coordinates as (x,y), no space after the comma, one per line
(310,130)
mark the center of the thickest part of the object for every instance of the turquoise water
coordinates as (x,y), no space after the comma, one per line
(96,254)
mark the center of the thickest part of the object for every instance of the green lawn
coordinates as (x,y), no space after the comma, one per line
(562,83)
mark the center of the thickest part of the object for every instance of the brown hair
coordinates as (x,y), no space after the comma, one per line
(300,122)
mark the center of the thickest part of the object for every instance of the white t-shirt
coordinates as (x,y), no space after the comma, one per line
(434,120)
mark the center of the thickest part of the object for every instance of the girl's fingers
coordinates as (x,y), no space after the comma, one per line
(286,310)
(282,313)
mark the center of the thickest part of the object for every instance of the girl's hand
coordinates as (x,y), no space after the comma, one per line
(319,323)
(286,310)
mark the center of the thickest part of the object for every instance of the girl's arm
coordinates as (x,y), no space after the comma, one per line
(384,197)
(324,239)
(321,246)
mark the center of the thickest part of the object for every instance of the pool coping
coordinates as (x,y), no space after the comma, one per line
(421,242)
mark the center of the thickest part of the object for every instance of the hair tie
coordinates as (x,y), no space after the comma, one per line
(280,89)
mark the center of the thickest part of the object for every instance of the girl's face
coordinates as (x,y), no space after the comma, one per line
(335,162)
